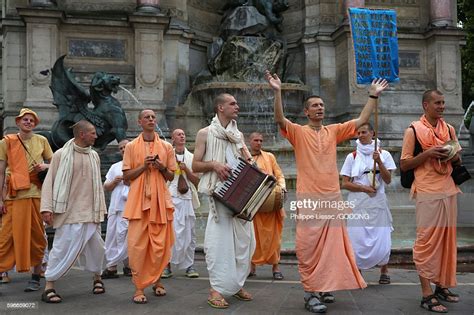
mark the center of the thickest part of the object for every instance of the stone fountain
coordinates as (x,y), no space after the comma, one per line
(249,43)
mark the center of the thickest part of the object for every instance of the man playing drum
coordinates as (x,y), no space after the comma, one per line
(268,222)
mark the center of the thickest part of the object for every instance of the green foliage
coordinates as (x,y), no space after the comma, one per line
(466,17)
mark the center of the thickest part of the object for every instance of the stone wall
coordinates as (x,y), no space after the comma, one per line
(158,55)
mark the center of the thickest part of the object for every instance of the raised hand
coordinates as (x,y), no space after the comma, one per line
(273,80)
(377,86)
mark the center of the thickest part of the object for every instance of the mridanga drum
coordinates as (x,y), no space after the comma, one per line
(274,201)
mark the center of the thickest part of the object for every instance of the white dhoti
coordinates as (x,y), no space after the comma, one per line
(116,249)
(185,237)
(370,231)
(79,243)
(229,245)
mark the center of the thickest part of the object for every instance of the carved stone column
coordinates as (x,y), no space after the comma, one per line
(441,14)
(42,49)
(148,6)
(149,61)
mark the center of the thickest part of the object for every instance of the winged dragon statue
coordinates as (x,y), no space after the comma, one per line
(72,101)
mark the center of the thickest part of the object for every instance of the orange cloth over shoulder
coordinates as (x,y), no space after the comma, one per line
(134,156)
(19,176)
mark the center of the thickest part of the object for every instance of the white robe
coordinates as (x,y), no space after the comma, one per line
(370,236)
(116,249)
(182,255)
(79,243)
(229,245)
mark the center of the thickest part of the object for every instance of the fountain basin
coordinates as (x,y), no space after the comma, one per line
(256,104)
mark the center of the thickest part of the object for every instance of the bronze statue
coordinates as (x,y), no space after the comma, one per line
(72,101)
(271,9)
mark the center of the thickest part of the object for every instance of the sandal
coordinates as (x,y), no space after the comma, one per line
(141,298)
(313,304)
(98,287)
(49,295)
(327,297)
(277,275)
(384,279)
(109,274)
(159,290)
(221,305)
(243,295)
(428,304)
(446,295)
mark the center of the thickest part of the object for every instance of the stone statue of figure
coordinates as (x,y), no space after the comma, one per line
(271,9)
(72,101)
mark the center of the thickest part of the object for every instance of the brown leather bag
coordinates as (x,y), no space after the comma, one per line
(182,185)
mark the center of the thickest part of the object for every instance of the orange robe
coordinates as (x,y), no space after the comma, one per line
(22,240)
(268,226)
(326,260)
(149,209)
(435,249)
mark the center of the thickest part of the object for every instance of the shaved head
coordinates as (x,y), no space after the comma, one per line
(81,125)
(219,99)
(255,134)
(176,132)
(140,114)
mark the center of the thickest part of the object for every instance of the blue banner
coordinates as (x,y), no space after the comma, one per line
(374,34)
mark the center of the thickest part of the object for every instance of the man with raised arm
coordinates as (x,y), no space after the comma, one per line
(229,242)
(325,257)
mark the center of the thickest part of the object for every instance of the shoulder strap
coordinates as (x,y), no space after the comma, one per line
(418,149)
(24,147)
(449,130)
